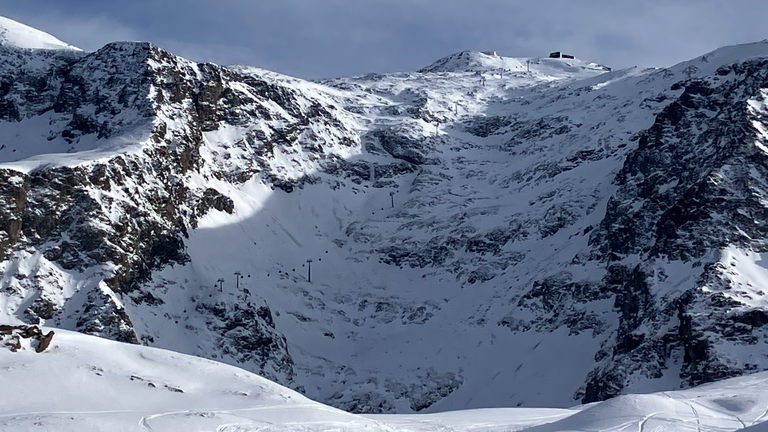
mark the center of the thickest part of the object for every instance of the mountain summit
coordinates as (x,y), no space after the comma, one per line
(490,61)
(17,35)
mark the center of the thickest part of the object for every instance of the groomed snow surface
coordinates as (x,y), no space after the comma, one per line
(84,383)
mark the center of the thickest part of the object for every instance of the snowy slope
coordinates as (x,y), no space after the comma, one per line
(17,35)
(478,62)
(82,383)
(466,227)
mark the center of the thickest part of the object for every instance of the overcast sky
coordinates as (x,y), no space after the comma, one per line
(326,38)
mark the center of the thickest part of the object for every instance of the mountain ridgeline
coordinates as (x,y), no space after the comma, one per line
(486,231)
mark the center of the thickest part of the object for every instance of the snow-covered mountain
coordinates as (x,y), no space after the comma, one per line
(477,238)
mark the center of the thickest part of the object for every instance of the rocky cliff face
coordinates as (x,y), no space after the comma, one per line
(694,186)
(124,217)
(467,233)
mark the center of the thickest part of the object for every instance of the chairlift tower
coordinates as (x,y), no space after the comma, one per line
(309,270)
(238,275)
(221,284)
(392,197)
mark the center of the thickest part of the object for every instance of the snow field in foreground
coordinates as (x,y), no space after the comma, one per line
(83,383)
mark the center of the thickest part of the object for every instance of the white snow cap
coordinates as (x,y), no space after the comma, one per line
(17,35)
(488,61)
(710,62)
(473,60)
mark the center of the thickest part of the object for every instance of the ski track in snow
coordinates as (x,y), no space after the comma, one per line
(147,420)
(761,417)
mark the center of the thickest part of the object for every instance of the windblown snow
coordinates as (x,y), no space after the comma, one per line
(15,34)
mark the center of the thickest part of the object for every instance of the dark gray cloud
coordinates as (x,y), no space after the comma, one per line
(321,38)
